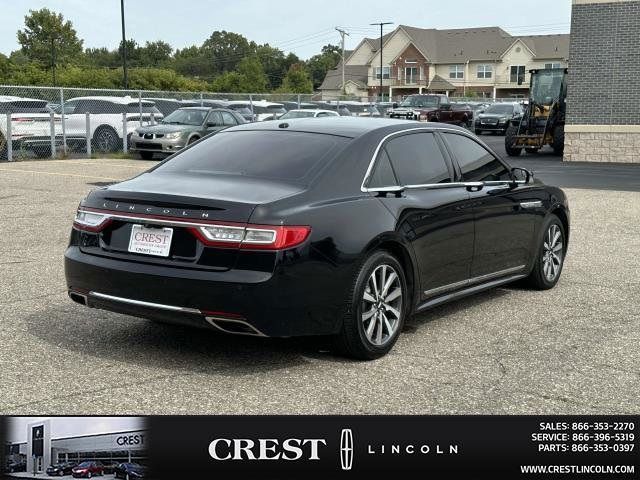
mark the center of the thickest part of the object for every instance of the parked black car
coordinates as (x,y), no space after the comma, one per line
(60,469)
(497,117)
(16,466)
(344,227)
(129,471)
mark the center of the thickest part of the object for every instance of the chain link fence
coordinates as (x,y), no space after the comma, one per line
(50,122)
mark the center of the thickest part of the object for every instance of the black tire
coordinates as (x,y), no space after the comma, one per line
(192,140)
(479,132)
(106,139)
(509,140)
(3,148)
(531,150)
(558,140)
(146,155)
(538,278)
(352,340)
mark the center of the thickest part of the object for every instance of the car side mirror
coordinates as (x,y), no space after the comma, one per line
(521,175)
(395,105)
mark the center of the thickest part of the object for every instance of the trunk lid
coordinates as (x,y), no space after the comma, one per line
(178,201)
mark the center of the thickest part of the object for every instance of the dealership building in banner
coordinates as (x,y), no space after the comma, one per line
(44,448)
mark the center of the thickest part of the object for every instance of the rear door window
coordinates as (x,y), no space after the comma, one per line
(476,163)
(417,159)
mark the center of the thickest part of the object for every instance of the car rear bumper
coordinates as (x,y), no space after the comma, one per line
(282,304)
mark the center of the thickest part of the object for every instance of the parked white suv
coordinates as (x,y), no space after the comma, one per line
(262,109)
(30,125)
(106,125)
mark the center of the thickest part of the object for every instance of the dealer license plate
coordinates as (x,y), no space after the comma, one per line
(150,241)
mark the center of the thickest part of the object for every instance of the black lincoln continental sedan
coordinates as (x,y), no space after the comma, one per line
(339,226)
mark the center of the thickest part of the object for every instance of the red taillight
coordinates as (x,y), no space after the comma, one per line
(90,221)
(252,237)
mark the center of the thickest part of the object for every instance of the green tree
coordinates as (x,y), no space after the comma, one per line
(326,60)
(191,61)
(297,80)
(225,50)
(5,68)
(155,54)
(133,53)
(47,35)
(101,57)
(248,78)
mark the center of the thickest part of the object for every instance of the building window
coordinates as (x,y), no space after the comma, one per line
(456,71)
(386,72)
(553,65)
(485,71)
(517,74)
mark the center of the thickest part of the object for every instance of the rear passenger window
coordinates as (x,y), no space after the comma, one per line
(382,175)
(476,162)
(417,159)
(228,119)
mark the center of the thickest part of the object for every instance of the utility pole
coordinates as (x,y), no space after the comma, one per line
(381,25)
(53,59)
(124,47)
(342,34)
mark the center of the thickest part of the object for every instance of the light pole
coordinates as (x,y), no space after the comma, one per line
(124,47)
(342,34)
(381,25)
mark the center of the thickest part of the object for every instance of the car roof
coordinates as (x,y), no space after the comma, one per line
(344,126)
(312,110)
(11,98)
(257,103)
(121,100)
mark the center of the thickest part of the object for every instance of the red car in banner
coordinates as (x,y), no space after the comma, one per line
(87,470)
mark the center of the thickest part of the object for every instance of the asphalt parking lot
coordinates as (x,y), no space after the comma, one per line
(573,349)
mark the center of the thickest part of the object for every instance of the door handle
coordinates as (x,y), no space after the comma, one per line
(474,186)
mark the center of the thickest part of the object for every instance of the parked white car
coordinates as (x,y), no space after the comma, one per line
(30,125)
(308,113)
(106,123)
(262,109)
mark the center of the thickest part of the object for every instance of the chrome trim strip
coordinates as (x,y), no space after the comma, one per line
(212,321)
(532,204)
(140,303)
(173,223)
(399,188)
(474,280)
(477,288)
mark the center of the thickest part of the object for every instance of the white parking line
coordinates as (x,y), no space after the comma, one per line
(56,173)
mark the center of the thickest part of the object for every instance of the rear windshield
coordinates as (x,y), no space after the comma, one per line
(277,155)
(24,106)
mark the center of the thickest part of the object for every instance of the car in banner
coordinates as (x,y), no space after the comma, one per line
(87,469)
(60,469)
(129,471)
(344,227)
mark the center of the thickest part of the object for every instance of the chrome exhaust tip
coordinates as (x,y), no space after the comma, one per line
(78,298)
(234,326)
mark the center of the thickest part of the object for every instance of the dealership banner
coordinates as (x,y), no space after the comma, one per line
(307,447)
(473,447)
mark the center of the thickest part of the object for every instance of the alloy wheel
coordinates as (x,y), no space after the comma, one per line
(105,140)
(382,305)
(552,253)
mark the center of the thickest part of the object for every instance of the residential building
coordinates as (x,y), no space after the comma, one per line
(602,123)
(486,62)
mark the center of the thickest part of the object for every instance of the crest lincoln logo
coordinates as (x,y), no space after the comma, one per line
(346,449)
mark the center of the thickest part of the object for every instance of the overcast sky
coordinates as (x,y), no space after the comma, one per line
(72,426)
(301,26)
